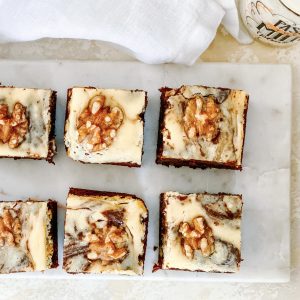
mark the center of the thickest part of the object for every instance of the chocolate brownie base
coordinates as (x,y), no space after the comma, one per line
(52,143)
(52,206)
(85,192)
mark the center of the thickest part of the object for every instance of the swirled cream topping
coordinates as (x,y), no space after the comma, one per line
(201,232)
(105,125)
(36,102)
(205,124)
(105,234)
(25,244)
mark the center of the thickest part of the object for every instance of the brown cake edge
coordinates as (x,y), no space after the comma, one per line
(69,95)
(51,143)
(85,192)
(162,232)
(52,206)
(194,164)
(244,127)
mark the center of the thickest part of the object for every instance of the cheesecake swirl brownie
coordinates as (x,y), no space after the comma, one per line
(27,123)
(105,125)
(202,127)
(200,232)
(105,233)
(28,236)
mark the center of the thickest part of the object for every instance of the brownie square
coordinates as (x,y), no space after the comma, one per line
(200,232)
(202,127)
(105,126)
(28,236)
(105,233)
(27,123)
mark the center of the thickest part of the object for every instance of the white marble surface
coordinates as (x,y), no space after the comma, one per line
(264,181)
(223,49)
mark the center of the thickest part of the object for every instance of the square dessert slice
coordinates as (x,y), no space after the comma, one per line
(105,233)
(105,126)
(27,123)
(28,236)
(200,232)
(202,127)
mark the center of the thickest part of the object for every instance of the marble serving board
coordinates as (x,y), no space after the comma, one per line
(264,181)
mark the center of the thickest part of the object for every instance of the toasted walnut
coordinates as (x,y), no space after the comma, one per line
(14,127)
(98,124)
(108,244)
(10,228)
(196,236)
(201,118)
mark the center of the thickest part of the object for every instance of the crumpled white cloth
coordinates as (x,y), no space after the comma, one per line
(154,31)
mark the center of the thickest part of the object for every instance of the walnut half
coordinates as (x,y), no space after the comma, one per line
(201,118)
(14,127)
(108,244)
(197,236)
(10,228)
(98,124)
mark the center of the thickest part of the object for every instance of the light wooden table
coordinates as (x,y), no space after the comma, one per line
(223,49)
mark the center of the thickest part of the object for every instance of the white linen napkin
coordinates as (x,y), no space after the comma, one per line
(154,31)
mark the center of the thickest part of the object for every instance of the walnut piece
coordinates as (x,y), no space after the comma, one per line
(14,127)
(107,244)
(10,228)
(201,118)
(98,124)
(197,236)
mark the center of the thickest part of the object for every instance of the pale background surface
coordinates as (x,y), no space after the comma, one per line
(224,48)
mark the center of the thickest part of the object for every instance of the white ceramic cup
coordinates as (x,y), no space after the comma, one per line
(276,22)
